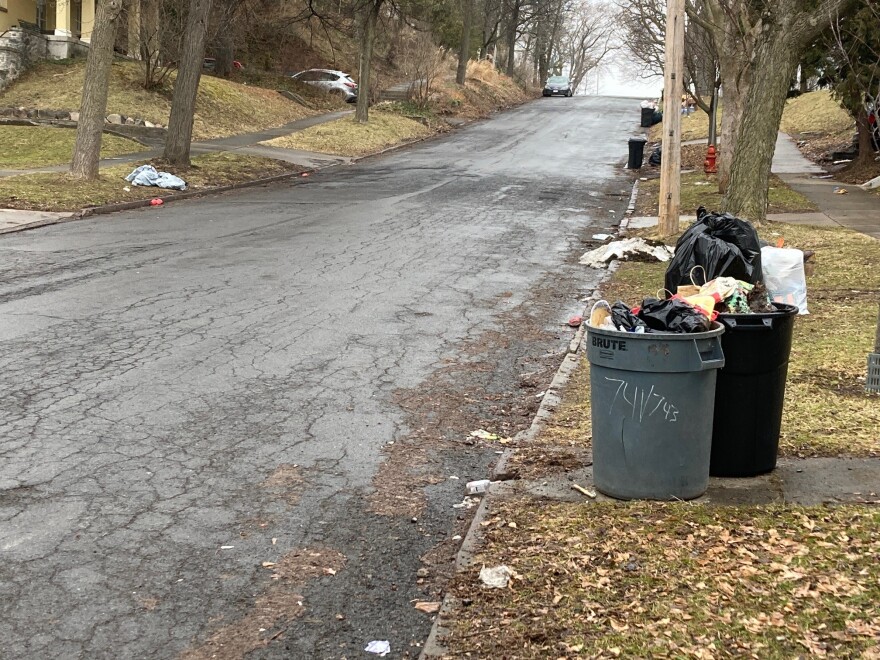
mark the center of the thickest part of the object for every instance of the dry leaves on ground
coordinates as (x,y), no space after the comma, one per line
(673,580)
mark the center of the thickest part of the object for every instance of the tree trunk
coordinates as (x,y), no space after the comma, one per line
(224,55)
(186,87)
(511,38)
(464,51)
(866,139)
(368,36)
(773,64)
(133,8)
(713,118)
(734,88)
(93,108)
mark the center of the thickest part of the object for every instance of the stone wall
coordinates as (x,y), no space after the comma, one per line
(20,48)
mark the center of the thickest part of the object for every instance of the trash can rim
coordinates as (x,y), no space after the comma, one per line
(782,309)
(716,330)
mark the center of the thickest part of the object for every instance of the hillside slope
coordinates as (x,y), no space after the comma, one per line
(223,107)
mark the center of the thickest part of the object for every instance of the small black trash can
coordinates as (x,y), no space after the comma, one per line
(636,152)
(647,117)
(750,391)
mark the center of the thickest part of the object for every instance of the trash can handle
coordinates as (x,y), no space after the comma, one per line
(712,358)
(766,324)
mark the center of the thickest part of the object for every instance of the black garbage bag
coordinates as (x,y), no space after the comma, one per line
(722,244)
(672,315)
(624,319)
(656,156)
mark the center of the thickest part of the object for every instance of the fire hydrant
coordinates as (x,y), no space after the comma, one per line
(709,164)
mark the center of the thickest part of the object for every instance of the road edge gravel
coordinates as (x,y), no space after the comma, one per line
(432,648)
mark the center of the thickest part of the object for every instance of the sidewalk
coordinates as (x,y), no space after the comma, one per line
(857,209)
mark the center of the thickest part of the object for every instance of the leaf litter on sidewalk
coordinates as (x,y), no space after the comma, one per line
(673,580)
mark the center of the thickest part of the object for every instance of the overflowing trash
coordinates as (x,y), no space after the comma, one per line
(656,157)
(147,175)
(629,249)
(721,245)
(718,267)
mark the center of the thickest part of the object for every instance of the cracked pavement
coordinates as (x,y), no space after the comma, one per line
(289,371)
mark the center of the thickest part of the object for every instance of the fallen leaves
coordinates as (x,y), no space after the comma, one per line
(674,580)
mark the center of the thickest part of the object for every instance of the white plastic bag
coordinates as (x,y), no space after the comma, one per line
(784,276)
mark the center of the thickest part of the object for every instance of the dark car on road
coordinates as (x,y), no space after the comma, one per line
(558,85)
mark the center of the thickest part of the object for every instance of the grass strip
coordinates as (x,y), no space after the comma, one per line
(60,192)
(672,580)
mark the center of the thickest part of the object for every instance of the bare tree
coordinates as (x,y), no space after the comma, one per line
(93,108)
(186,87)
(588,38)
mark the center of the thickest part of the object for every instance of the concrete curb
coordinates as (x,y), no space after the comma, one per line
(552,397)
(140,203)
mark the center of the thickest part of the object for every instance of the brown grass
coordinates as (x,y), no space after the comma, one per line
(223,107)
(347,137)
(24,147)
(60,192)
(673,580)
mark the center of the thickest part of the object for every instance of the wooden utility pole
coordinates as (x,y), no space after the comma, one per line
(670,167)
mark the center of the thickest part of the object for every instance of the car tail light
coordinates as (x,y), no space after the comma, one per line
(351,85)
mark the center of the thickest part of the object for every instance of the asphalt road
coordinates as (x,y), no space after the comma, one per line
(229,425)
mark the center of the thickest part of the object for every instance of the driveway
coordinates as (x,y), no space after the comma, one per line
(230,426)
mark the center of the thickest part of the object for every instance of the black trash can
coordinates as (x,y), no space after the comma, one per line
(636,152)
(750,391)
(647,117)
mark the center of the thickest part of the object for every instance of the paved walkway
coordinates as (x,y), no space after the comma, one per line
(858,209)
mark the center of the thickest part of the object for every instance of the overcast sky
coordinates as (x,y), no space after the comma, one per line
(618,76)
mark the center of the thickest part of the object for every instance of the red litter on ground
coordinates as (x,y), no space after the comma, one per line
(575,321)
(304,174)
(156,202)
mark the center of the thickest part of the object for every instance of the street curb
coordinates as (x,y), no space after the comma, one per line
(624,223)
(552,397)
(140,203)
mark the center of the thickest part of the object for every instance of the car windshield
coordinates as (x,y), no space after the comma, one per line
(557,80)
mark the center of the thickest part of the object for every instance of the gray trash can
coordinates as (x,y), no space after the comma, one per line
(652,398)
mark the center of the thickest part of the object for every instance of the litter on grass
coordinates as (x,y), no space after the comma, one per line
(497,577)
(429,607)
(379,647)
(630,249)
(147,175)
(483,434)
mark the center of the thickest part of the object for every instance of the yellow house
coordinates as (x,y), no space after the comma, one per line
(71,20)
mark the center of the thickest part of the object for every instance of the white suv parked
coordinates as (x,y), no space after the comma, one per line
(333,82)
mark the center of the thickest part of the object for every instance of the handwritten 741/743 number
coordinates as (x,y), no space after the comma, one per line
(643,403)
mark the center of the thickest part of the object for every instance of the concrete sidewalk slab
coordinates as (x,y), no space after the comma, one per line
(801,481)
(14,220)
(788,159)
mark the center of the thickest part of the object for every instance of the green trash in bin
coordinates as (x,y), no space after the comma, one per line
(652,398)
